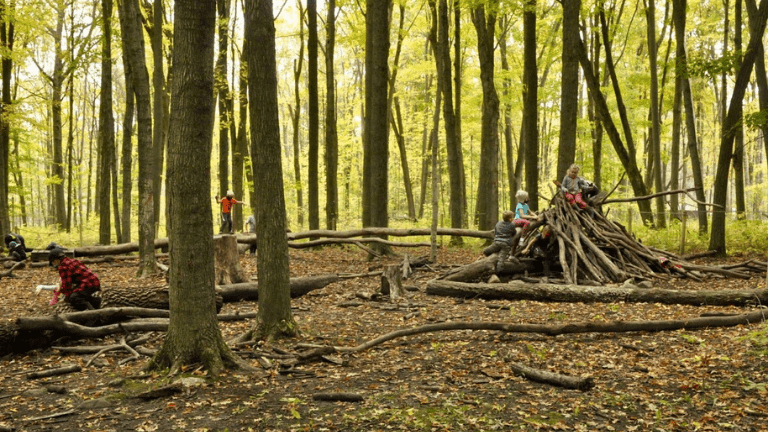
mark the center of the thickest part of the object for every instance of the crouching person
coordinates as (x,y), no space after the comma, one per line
(78,282)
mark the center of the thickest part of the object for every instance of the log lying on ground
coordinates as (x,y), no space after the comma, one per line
(555,379)
(250,290)
(485,267)
(517,290)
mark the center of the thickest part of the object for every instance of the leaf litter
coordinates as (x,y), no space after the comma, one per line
(458,380)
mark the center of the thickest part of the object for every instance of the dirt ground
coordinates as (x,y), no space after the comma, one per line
(459,381)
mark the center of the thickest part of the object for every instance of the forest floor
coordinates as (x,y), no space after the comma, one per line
(455,380)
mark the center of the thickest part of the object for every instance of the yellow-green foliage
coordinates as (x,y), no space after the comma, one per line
(746,236)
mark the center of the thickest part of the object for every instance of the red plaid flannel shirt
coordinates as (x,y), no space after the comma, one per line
(75,276)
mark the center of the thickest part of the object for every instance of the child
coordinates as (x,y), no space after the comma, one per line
(502,239)
(523,215)
(226,211)
(78,282)
(573,186)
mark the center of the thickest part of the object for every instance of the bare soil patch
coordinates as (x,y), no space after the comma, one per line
(702,380)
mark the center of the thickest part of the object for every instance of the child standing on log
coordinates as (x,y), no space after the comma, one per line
(502,239)
(226,211)
(78,282)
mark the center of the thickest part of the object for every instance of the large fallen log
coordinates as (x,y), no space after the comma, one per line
(517,290)
(250,290)
(485,267)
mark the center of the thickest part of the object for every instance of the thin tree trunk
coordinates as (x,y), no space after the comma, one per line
(655,119)
(569,97)
(158,88)
(531,105)
(106,127)
(313,189)
(331,134)
(127,148)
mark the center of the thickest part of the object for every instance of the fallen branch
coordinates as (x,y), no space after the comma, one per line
(9,272)
(338,397)
(49,416)
(555,379)
(54,372)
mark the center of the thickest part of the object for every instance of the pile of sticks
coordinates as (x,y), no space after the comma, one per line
(590,249)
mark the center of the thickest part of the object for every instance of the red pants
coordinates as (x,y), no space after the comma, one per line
(523,223)
(576,199)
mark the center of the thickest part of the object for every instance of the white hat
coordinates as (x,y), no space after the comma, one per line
(230,193)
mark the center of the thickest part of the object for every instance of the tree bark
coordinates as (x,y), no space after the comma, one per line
(587,294)
(661,221)
(717,235)
(136,57)
(531,105)
(569,99)
(299,286)
(193,333)
(227,261)
(127,145)
(331,134)
(275,318)
(313,189)
(7,28)
(487,208)
(106,126)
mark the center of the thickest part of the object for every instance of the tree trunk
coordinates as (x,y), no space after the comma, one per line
(227,261)
(57,81)
(331,135)
(296,118)
(275,318)
(193,333)
(569,99)
(531,105)
(299,286)
(136,56)
(487,207)
(678,16)
(738,151)
(127,149)
(717,235)
(655,119)
(6,40)
(158,112)
(313,190)
(518,290)
(376,178)
(106,126)
(485,267)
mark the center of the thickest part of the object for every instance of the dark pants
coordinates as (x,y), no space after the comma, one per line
(226,223)
(84,300)
(503,248)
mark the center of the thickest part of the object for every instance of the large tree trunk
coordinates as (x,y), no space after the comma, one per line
(376,130)
(56,99)
(6,40)
(569,99)
(518,290)
(487,207)
(106,126)
(193,333)
(313,191)
(275,318)
(136,57)
(531,105)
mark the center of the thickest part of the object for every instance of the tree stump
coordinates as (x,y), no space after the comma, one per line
(392,282)
(227,260)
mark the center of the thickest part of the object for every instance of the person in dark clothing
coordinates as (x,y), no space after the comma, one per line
(251,228)
(17,249)
(78,282)
(503,233)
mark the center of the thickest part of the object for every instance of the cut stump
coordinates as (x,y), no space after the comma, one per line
(227,261)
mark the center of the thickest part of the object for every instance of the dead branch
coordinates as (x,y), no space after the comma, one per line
(9,272)
(54,372)
(552,378)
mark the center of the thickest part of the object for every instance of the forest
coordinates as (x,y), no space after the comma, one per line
(496,96)
(353,131)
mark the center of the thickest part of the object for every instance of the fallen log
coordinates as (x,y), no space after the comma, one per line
(485,267)
(517,290)
(54,372)
(250,290)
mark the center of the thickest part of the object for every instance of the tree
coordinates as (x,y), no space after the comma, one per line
(275,317)
(569,99)
(313,191)
(650,13)
(127,145)
(296,120)
(376,130)
(158,103)
(222,92)
(331,133)
(106,126)
(193,332)
(717,235)
(135,47)
(531,105)
(487,209)
(7,37)
(678,16)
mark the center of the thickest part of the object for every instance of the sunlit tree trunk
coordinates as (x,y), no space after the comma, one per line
(7,28)
(313,190)
(331,134)
(569,96)
(655,119)
(127,145)
(531,105)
